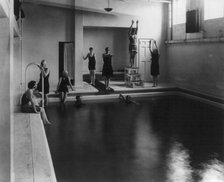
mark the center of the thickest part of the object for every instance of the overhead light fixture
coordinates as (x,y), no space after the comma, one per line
(108,9)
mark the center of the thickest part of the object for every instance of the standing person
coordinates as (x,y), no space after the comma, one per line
(46,73)
(155,62)
(91,65)
(63,84)
(107,67)
(132,34)
(29,103)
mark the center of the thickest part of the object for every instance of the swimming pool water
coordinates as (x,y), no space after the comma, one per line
(161,139)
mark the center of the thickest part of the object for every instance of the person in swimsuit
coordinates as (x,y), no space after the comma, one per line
(91,65)
(63,84)
(107,67)
(44,71)
(132,35)
(29,103)
(155,62)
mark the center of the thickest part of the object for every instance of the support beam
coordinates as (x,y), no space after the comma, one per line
(78,48)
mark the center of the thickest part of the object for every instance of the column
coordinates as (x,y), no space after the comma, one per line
(5,100)
(78,48)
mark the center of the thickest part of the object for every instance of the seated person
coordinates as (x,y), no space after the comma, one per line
(29,103)
(63,84)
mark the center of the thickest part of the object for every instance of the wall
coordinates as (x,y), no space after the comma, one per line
(17,73)
(99,38)
(43,28)
(195,65)
(152,24)
(5,111)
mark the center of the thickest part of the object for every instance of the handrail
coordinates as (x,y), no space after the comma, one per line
(30,64)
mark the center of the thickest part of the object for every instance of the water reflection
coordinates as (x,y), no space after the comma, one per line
(180,170)
(212,172)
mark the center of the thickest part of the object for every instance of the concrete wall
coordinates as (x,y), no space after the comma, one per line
(43,28)
(18,91)
(5,111)
(195,65)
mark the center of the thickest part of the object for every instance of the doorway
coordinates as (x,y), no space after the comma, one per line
(144,59)
(66,59)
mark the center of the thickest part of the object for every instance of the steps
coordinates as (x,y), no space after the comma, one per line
(133,78)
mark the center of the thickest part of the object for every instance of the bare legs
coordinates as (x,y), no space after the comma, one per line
(107,81)
(45,100)
(63,96)
(132,58)
(44,116)
(92,77)
(155,81)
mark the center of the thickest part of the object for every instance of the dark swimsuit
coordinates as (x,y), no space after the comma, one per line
(92,62)
(155,64)
(63,87)
(46,84)
(107,66)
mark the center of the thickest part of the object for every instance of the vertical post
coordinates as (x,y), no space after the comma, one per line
(42,88)
(171,27)
(78,48)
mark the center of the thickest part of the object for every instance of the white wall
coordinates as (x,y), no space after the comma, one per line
(43,28)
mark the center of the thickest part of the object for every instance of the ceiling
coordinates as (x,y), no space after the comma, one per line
(131,7)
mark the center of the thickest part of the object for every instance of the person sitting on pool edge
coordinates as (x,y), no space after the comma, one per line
(29,103)
(62,88)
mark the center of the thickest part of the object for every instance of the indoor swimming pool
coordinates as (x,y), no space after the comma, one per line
(159,139)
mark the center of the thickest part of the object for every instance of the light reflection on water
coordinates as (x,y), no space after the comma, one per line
(180,170)
(213,172)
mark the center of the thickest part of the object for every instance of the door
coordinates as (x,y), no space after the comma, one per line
(144,59)
(66,59)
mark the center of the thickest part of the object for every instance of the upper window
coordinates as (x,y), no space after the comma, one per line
(179,11)
(213,9)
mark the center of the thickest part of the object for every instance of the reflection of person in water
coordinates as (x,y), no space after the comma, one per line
(132,34)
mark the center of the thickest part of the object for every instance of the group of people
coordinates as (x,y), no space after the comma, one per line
(29,101)
(30,104)
(132,34)
(107,71)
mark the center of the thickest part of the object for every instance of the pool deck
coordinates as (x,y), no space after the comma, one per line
(89,92)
